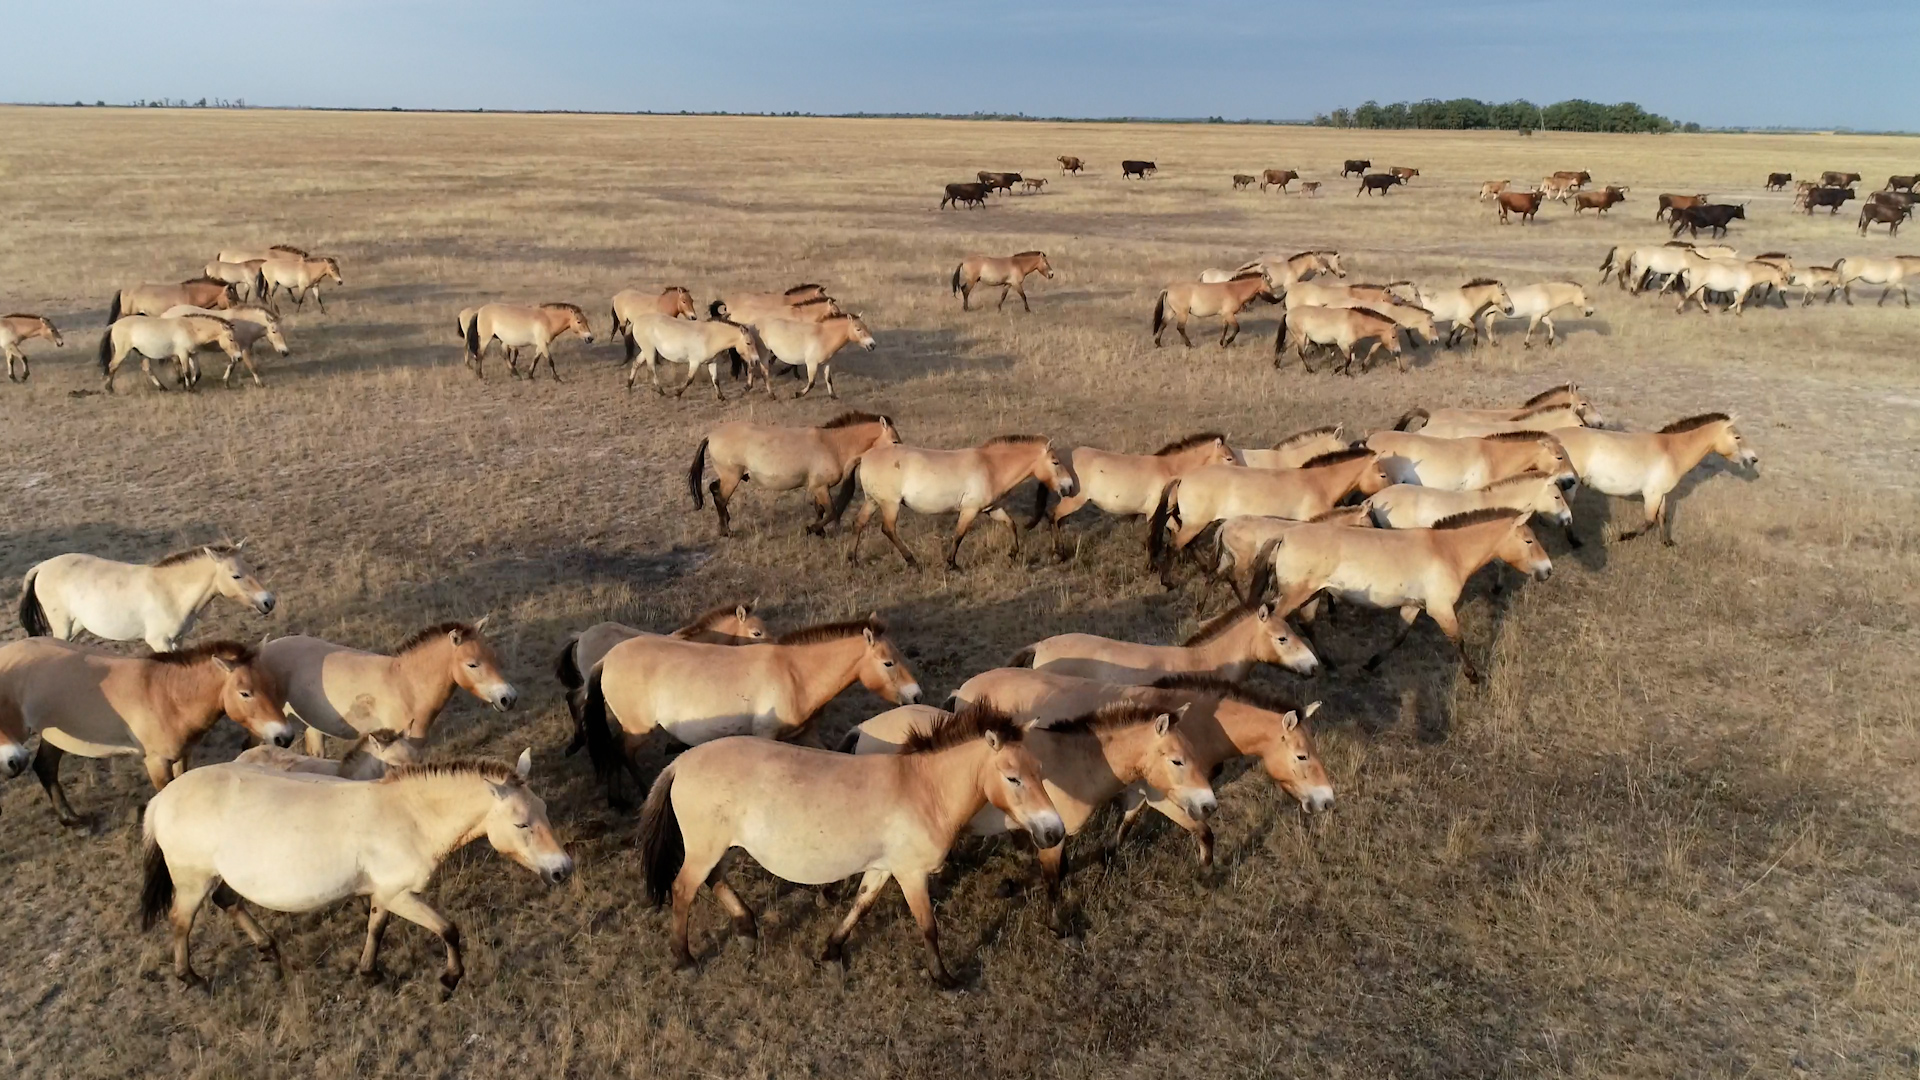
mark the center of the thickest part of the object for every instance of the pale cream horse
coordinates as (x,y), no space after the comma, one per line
(18,329)
(734,624)
(245,278)
(368,758)
(1737,279)
(786,458)
(814,817)
(93,703)
(804,303)
(219,833)
(1890,273)
(1537,303)
(251,325)
(675,302)
(1342,329)
(1649,465)
(118,601)
(517,326)
(1284,271)
(156,337)
(300,277)
(811,345)
(1191,502)
(1295,450)
(1130,484)
(974,481)
(1410,506)
(1463,307)
(1470,464)
(1009,272)
(1228,647)
(1555,416)
(652,338)
(277,251)
(346,693)
(1564,394)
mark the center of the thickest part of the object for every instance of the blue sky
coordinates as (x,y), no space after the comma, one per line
(1757,63)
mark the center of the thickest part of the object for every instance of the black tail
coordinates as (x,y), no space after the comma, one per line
(662,848)
(473,338)
(956,276)
(1406,419)
(1607,262)
(106,350)
(1204,548)
(851,741)
(603,747)
(156,894)
(697,470)
(633,347)
(619,327)
(844,497)
(737,366)
(1157,526)
(717,309)
(113,311)
(1023,658)
(259,287)
(1160,313)
(1040,495)
(1260,582)
(33,617)
(1280,339)
(459,329)
(566,668)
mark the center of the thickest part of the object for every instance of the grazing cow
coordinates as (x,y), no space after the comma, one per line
(1070,164)
(1876,213)
(1601,200)
(1279,178)
(966,194)
(1829,197)
(1379,181)
(1713,217)
(1524,203)
(1245,180)
(1671,205)
(999,181)
(1137,170)
(1405,174)
(1901,183)
(1355,166)
(1778,181)
(1839,179)
(1491,188)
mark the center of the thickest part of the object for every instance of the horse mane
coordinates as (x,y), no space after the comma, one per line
(1335,457)
(1302,255)
(804,288)
(24,315)
(425,634)
(1221,624)
(848,419)
(707,620)
(1563,388)
(205,315)
(291,250)
(1197,439)
(1693,422)
(1215,686)
(834,631)
(1299,437)
(231,651)
(1245,275)
(970,723)
(1773,255)
(187,555)
(815,300)
(563,306)
(1114,714)
(498,772)
(1517,436)
(676,289)
(1004,440)
(1530,476)
(1024,254)
(1479,281)
(1478,517)
(204,279)
(1536,410)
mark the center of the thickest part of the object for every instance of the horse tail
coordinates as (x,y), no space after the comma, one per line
(106,350)
(1204,548)
(1160,312)
(156,894)
(956,275)
(1023,658)
(1157,525)
(662,847)
(473,336)
(602,746)
(1280,338)
(633,344)
(1607,263)
(566,666)
(33,617)
(1405,423)
(619,326)
(737,366)
(259,286)
(844,497)
(113,310)
(717,309)
(1260,580)
(695,472)
(851,741)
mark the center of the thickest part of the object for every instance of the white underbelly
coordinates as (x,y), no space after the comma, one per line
(709,728)
(73,744)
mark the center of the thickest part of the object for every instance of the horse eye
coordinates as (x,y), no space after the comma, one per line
(472,664)
(519,825)
(246,695)
(1300,757)
(1013,780)
(236,577)
(1177,763)
(886,663)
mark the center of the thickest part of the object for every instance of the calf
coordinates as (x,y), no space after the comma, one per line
(1405,174)
(1310,187)
(1033,184)
(1778,181)
(1245,180)
(1712,217)
(1829,197)
(1671,205)
(1600,201)
(1279,178)
(1580,179)
(1137,170)
(1524,203)
(1355,166)
(965,194)
(1379,182)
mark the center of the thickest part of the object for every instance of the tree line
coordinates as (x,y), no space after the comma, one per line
(1466,114)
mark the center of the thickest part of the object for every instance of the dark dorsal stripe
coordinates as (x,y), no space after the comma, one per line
(498,772)
(1188,443)
(231,651)
(1542,396)
(810,635)
(1117,714)
(1215,686)
(1336,457)
(1478,517)
(1220,625)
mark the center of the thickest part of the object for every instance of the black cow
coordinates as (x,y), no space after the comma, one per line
(1878,213)
(1002,181)
(1712,217)
(1379,181)
(1777,181)
(1356,166)
(966,194)
(1829,197)
(1136,169)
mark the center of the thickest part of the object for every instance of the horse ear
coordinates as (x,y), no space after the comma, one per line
(481,624)
(1265,612)
(523,768)
(1289,721)
(1162,724)
(456,636)
(240,543)
(223,663)
(1307,713)
(993,739)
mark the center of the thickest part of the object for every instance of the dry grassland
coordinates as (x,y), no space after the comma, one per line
(1673,834)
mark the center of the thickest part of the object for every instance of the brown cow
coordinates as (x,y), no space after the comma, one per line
(1405,174)
(1070,164)
(1670,205)
(1778,181)
(1839,179)
(1901,183)
(1601,200)
(1356,166)
(1279,178)
(1524,203)
(1878,213)
(999,181)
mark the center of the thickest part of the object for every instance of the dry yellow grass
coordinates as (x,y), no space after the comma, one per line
(1674,834)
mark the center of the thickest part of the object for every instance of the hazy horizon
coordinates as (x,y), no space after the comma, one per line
(1072,58)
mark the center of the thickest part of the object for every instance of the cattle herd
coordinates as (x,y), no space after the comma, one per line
(1397,520)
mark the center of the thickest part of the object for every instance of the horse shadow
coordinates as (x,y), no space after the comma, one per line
(909,354)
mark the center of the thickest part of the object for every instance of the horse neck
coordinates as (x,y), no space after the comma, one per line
(1227,731)
(1469,548)
(1124,749)
(1342,477)
(1009,463)
(1232,647)
(192,693)
(190,583)
(425,675)
(448,810)
(824,668)
(1191,458)
(1687,448)
(948,786)
(556,321)
(851,441)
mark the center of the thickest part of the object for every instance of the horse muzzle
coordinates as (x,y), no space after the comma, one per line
(1568,483)
(1317,800)
(504,699)
(1200,807)
(1542,573)
(1307,665)
(909,694)
(557,872)
(264,603)
(1046,829)
(13,762)
(279,734)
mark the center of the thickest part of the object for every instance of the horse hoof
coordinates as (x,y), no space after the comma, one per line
(372,976)
(945,982)
(192,981)
(685,967)
(448,984)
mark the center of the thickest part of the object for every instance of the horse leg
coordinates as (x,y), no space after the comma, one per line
(229,901)
(826,370)
(1229,329)
(860,526)
(889,519)
(412,908)
(1013,529)
(1180,324)
(743,924)
(1063,510)
(1004,290)
(318,300)
(1526,342)
(966,297)
(1052,869)
(967,514)
(546,351)
(146,368)
(1547,321)
(1663,516)
(188,895)
(1450,625)
(805,390)
(1133,802)
(1409,614)
(1201,832)
(822,508)
(871,883)
(921,904)
(160,770)
(377,916)
(1021,287)
(46,766)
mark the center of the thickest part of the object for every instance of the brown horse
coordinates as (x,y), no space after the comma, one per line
(15,329)
(784,458)
(155,299)
(1130,484)
(1213,492)
(1203,299)
(675,302)
(973,481)
(1010,273)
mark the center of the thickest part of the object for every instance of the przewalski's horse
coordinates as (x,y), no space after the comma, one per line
(1469,464)
(245,277)
(1378,183)
(811,345)
(1070,164)
(251,325)
(220,833)
(1379,299)
(1355,167)
(1462,424)
(277,251)
(697,692)
(1414,570)
(815,817)
(368,758)
(1184,299)
(675,302)
(1296,449)
(652,338)
(1087,761)
(1130,484)
(1524,203)
(1278,178)
(1890,273)
(156,337)
(725,625)
(1649,465)
(119,601)
(1564,394)
(805,303)
(1815,278)
(1341,328)
(1493,187)
(346,693)
(1283,272)
(300,277)
(1537,303)
(785,458)
(1410,506)
(517,326)
(1736,279)
(1032,185)
(1228,648)
(1225,549)
(1213,492)
(1463,307)
(973,481)
(1137,170)
(18,329)
(1010,273)
(1223,721)
(93,703)
(152,299)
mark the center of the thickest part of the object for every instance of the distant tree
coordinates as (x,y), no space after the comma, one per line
(1468,114)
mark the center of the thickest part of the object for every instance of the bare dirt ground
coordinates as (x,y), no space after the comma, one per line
(1672,834)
